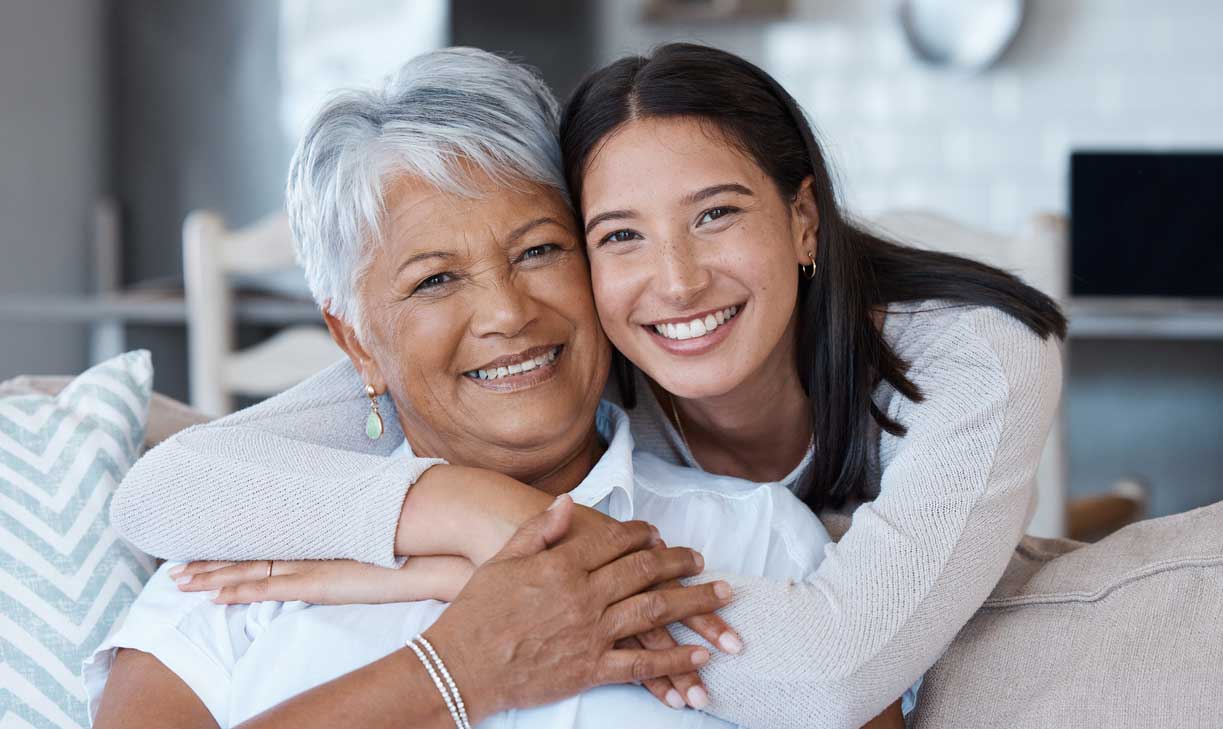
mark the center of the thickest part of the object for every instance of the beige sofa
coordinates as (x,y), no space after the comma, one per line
(1126,632)
(167,416)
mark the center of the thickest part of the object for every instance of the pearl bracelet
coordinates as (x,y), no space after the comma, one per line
(454,690)
(448,690)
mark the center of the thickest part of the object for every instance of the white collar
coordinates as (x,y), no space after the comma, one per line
(611,479)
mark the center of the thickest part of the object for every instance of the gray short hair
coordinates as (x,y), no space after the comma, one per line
(441,114)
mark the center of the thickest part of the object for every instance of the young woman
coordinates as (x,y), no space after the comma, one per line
(763,335)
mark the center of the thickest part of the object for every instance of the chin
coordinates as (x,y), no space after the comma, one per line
(530,428)
(698,383)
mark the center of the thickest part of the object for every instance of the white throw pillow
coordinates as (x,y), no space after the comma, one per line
(65,576)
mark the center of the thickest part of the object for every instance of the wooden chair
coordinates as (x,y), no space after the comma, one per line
(212,256)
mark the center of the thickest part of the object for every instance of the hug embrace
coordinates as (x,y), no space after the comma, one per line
(611,372)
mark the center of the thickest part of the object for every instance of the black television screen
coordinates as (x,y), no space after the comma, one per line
(1146,224)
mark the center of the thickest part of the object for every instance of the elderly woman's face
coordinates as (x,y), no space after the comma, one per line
(482,325)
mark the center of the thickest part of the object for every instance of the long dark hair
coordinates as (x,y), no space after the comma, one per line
(841,354)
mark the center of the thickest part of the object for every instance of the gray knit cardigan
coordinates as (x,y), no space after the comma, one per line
(296,478)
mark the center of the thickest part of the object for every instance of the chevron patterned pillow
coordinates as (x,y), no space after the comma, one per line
(65,576)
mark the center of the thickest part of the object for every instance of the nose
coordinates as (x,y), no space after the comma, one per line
(504,307)
(681,276)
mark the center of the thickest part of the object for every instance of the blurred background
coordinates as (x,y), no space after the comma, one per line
(1060,138)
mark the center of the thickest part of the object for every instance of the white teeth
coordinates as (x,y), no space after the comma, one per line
(516,368)
(697,327)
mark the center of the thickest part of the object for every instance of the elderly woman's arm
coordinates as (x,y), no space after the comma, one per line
(392,693)
(480,638)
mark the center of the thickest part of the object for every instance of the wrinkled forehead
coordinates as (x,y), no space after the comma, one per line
(420,216)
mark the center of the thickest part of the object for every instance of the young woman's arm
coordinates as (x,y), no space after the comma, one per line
(294,477)
(918,561)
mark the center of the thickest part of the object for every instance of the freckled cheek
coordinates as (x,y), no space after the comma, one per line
(618,289)
(761,259)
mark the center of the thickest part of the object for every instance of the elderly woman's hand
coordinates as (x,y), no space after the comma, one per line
(334,582)
(537,624)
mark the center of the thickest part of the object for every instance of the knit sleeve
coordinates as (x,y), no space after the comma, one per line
(836,648)
(291,478)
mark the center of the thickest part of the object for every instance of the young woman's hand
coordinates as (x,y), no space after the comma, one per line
(681,689)
(687,688)
(327,582)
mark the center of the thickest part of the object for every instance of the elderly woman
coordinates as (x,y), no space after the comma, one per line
(534,624)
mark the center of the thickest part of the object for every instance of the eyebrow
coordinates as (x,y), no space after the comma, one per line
(525,228)
(712,190)
(514,235)
(695,197)
(422,257)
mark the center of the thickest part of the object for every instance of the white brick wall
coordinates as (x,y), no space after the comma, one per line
(989,148)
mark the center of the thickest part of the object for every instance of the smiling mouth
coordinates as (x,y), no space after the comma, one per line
(509,369)
(696,327)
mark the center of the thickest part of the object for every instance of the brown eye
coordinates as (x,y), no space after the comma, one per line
(714,213)
(619,236)
(538,251)
(433,282)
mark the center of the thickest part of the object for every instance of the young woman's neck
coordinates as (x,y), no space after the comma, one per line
(760,430)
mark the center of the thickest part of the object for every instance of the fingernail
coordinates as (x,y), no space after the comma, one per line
(655,537)
(674,700)
(700,561)
(697,698)
(700,657)
(557,501)
(180,581)
(213,594)
(730,643)
(176,571)
(722,590)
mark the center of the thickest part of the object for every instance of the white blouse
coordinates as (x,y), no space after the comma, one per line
(244,659)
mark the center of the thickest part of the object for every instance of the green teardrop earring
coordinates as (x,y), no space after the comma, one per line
(373,424)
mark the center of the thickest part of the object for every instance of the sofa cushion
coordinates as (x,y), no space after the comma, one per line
(65,576)
(1123,632)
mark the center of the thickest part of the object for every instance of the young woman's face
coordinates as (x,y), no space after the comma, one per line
(693,254)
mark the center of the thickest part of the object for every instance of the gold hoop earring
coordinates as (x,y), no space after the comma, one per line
(808,271)
(373,424)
